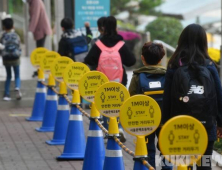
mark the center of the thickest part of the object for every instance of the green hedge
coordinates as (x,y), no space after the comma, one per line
(218,146)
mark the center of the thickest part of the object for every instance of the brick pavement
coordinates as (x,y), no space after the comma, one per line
(22,148)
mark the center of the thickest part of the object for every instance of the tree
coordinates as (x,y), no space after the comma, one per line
(147,6)
(165,29)
(118,6)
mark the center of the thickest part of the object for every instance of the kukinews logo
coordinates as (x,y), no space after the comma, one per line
(196,89)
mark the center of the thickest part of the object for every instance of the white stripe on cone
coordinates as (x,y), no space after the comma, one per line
(114,153)
(75,117)
(41,90)
(51,97)
(95,133)
(63,107)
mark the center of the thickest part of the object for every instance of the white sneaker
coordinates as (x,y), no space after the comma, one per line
(6,98)
(105,141)
(18,94)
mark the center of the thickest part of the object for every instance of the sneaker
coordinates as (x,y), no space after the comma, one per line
(6,98)
(105,138)
(105,141)
(35,74)
(18,94)
(122,135)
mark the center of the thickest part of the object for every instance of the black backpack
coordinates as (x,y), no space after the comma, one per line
(193,93)
(152,82)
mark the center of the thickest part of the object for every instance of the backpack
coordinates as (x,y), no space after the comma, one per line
(110,62)
(78,45)
(152,83)
(12,49)
(193,93)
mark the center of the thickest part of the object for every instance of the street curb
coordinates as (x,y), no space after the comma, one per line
(217,158)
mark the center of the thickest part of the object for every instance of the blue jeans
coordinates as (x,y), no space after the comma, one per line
(151,148)
(9,77)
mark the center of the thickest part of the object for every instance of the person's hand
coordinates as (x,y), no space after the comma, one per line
(30,35)
(87,24)
(2,46)
(219,132)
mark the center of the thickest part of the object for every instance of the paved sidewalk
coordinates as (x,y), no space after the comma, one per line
(22,148)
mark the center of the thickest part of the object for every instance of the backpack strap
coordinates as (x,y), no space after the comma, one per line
(208,62)
(118,45)
(101,46)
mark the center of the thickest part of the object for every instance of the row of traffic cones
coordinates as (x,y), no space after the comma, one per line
(69,131)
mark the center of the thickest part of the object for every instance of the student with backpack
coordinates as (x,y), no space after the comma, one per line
(73,43)
(193,87)
(11,52)
(150,77)
(110,53)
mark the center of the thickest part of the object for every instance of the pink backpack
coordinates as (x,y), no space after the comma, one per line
(110,62)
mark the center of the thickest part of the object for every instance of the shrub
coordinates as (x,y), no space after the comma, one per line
(165,29)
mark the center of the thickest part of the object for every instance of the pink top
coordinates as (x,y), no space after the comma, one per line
(39,23)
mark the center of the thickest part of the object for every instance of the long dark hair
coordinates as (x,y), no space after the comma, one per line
(192,47)
(100,23)
(110,24)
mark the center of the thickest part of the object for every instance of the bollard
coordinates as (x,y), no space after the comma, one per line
(39,101)
(48,122)
(113,155)
(141,152)
(74,148)
(62,118)
(95,150)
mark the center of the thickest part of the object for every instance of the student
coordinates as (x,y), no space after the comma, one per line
(193,87)
(111,62)
(152,53)
(11,52)
(111,39)
(100,25)
(73,43)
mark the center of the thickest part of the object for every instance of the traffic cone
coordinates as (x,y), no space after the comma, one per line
(39,102)
(95,150)
(114,156)
(49,117)
(62,118)
(182,167)
(141,152)
(75,139)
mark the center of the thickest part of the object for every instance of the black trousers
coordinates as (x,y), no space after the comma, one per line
(206,159)
(41,42)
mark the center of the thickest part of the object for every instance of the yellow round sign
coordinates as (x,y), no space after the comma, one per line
(58,67)
(73,73)
(140,115)
(36,56)
(47,60)
(183,135)
(89,84)
(110,97)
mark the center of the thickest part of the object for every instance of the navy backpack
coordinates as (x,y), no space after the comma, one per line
(152,83)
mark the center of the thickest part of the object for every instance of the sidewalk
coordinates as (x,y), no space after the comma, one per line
(22,148)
